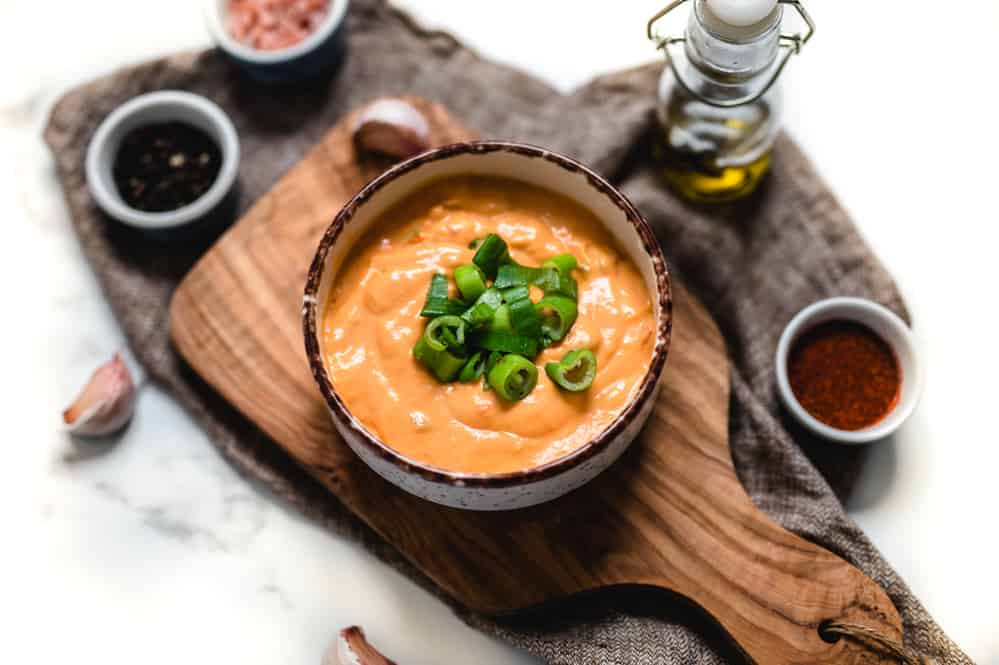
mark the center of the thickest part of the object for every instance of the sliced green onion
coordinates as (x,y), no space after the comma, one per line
(493,331)
(501,319)
(564,263)
(493,358)
(445,332)
(470,280)
(506,342)
(437,302)
(552,280)
(442,308)
(492,253)
(557,314)
(484,308)
(513,377)
(474,368)
(478,315)
(575,372)
(443,364)
(516,293)
(514,274)
(524,318)
(438,287)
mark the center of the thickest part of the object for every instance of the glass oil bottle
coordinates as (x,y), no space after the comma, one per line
(719,101)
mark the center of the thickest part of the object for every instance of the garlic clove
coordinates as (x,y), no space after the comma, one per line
(391,127)
(352,648)
(105,404)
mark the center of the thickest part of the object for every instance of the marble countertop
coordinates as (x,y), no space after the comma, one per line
(155,550)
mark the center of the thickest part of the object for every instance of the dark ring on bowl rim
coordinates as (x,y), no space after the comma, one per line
(649,383)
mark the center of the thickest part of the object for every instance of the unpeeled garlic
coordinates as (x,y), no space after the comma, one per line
(391,127)
(105,404)
(352,648)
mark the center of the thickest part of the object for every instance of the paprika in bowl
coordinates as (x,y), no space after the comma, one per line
(847,370)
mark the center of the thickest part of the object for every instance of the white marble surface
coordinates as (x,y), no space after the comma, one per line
(154,550)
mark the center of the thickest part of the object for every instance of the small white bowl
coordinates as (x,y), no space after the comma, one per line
(153,108)
(310,57)
(885,324)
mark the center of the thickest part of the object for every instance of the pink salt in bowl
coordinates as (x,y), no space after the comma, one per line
(317,54)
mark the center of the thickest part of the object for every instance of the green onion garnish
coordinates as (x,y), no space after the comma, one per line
(501,319)
(470,280)
(491,254)
(474,368)
(494,329)
(564,263)
(515,293)
(513,274)
(438,303)
(524,318)
(443,364)
(513,377)
(575,372)
(445,332)
(482,310)
(552,280)
(506,342)
(557,314)
(493,358)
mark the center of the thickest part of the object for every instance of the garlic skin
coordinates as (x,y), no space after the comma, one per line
(391,127)
(105,404)
(352,648)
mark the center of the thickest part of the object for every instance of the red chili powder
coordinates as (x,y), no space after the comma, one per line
(844,374)
(270,25)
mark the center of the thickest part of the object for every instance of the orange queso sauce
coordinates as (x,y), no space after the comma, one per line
(371,322)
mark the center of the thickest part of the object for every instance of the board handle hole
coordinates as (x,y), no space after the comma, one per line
(827,635)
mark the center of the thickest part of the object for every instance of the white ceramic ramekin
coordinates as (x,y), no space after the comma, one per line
(884,323)
(159,107)
(518,489)
(315,54)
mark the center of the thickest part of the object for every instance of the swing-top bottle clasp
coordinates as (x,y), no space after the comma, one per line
(790,44)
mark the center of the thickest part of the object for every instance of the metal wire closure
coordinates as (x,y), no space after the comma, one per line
(791,44)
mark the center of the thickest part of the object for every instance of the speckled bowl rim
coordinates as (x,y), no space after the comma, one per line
(646,391)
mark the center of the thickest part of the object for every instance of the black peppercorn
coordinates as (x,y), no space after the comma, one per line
(165,166)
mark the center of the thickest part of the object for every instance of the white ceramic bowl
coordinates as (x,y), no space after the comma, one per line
(152,108)
(310,57)
(500,491)
(881,321)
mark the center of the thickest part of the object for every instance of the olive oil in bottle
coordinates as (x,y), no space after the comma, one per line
(719,97)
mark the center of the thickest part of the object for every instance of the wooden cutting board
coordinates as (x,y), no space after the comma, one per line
(670,514)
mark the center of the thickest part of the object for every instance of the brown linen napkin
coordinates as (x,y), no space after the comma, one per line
(753,265)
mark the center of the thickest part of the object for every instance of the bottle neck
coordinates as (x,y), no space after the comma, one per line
(731,54)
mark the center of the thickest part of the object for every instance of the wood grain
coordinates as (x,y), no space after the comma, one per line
(670,514)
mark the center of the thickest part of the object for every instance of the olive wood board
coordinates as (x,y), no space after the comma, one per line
(670,513)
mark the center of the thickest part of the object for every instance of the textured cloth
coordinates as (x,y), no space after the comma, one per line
(753,265)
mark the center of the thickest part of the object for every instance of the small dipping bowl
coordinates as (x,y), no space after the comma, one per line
(525,163)
(155,108)
(315,55)
(882,322)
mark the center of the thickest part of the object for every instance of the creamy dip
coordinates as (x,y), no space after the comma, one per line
(371,322)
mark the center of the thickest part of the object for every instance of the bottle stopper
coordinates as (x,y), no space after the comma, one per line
(741,13)
(739,18)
